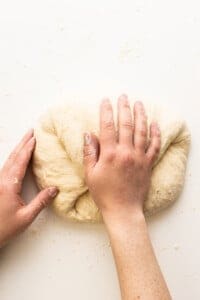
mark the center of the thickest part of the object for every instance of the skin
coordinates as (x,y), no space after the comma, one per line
(15,214)
(118,169)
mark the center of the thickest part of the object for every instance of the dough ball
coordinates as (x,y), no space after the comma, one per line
(58,159)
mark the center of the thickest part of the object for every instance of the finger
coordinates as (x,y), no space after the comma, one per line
(155,143)
(107,128)
(125,124)
(140,127)
(12,157)
(18,170)
(90,151)
(43,199)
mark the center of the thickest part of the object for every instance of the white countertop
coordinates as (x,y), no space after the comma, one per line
(52,50)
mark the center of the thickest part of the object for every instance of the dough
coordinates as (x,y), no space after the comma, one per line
(58,156)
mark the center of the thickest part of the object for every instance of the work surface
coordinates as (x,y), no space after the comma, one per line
(56,50)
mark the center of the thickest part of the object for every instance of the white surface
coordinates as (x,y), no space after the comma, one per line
(54,49)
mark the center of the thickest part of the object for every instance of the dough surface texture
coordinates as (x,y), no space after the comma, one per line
(58,156)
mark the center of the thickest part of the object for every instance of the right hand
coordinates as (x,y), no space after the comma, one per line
(118,169)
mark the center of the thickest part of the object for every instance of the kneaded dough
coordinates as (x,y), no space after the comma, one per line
(58,159)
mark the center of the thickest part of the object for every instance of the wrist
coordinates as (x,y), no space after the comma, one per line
(123,217)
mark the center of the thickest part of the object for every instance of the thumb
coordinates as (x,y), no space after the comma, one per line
(90,150)
(43,199)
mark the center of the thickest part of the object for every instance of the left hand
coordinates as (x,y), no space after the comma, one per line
(15,215)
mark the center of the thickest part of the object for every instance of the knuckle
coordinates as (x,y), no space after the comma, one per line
(89,151)
(5,185)
(127,125)
(140,160)
(156,149)
(108,124)
(110,155)
(42,203)
(156,136)
(20,161)
(150,160)
(126,157)
(153,155)
(17,178)
(12,155)
(142,132)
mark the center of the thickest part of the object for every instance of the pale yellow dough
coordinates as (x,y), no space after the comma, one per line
(58,157)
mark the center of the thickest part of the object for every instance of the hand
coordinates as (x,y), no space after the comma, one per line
(15,215)
(118,168)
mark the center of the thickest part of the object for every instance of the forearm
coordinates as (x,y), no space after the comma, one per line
(120,163)
(138,271)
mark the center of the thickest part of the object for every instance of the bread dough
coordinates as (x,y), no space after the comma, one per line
(58,156)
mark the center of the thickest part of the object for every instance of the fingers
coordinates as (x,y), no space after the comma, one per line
(43,199)
(23,157)
(140,127)
(24,140)
(13,155)
(15,174)
(90,151)
(155,143)
(15,167)
(125,125)
(107,128)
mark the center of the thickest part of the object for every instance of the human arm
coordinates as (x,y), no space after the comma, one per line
(15,214)
(118,169)
(139,274)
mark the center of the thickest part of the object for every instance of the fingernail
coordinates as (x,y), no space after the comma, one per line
(87,138)
(32,140)
(53,191)
(124,99)
(30,131)
(31,143)
(139,107)
(105,101)
(123,96)
(156,128)
(139,103)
